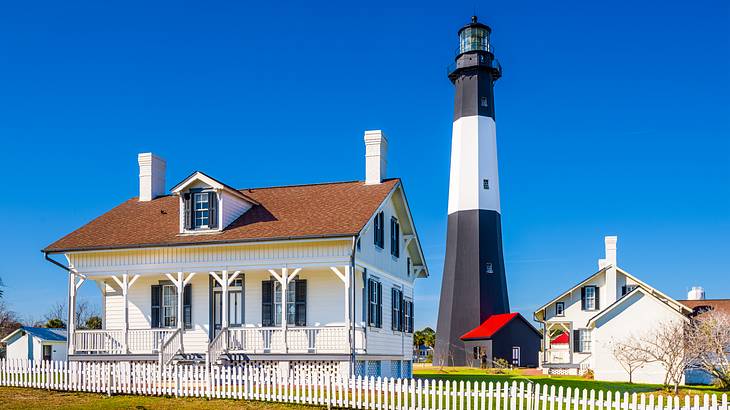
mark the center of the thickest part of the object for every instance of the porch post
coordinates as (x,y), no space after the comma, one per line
(180,320)
(570,341)
(284,286)
(71,312)
(125,288)
(348,312)
(224,313)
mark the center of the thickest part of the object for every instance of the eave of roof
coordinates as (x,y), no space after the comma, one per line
(627,297)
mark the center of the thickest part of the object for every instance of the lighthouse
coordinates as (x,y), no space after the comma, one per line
(474,286)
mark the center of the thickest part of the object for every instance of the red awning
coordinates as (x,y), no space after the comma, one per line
(489,327)
(562,339)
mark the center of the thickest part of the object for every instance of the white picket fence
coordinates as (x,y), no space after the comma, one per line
(239,382)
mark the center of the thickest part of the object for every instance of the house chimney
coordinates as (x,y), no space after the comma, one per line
(610,261)
(151,176)
(376,150)
(696,293)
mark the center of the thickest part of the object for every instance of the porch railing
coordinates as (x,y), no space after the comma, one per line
(217,346)
(140,341)
(318,339)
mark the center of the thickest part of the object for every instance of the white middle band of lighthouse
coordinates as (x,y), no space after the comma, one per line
(474,180)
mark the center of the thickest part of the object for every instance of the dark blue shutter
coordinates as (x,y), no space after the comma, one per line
(188,210)
(598,300)
(402,324)
(267,305)
(393,313)
(187,307)
(576,341)
(300,308)
(583,298)
(155,299)
(213,213)
(379,310)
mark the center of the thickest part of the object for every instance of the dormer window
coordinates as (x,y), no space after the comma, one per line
(201,217)
(200,210)
(202,203)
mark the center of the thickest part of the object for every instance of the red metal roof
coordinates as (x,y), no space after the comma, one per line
(562,339)
(489,327)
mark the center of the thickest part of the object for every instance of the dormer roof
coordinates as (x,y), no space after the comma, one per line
(211,182)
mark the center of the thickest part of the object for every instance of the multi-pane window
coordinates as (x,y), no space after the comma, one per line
(375,303)
(396,309)
(408,316)
(169,306)
(560,309)
(291,303)
(583,341)
(408,267)
(394,237)
(201,210)
(626,289)
(379,231)
(589,296)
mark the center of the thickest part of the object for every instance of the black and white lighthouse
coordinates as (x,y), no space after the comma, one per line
(474,285)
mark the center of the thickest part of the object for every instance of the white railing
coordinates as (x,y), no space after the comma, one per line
(170,347)
(139,341)
(331,390)
(147,340)
(99,341)
(318,339)
(556,356)
(217,346)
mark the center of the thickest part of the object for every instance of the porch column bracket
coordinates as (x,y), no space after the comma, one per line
(233,277)
(293,275)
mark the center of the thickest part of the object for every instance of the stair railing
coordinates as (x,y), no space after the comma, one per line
(170,347)
(217,346)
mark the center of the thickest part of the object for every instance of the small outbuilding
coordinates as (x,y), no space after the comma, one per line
(36,343)
(507,336)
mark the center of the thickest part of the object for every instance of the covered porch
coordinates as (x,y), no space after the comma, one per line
(250,310)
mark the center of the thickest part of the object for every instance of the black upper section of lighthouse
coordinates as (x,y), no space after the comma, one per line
(474,72)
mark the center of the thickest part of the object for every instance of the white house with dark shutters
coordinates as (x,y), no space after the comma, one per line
(607,307)
(310,277)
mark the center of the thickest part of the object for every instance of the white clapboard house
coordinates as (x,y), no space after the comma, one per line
(608,307)
(314,276)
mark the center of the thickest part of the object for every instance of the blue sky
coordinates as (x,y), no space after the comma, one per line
(613,118)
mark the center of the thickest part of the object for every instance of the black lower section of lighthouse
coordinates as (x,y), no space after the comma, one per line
(474,284)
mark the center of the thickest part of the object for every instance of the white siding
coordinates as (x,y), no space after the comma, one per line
(18,349)
(622,323)
(232,207)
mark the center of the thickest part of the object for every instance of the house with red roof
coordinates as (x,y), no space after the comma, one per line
(506,336)
(316,277)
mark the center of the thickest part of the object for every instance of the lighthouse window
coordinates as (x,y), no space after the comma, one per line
(488,268)
(484,102)
(486,184)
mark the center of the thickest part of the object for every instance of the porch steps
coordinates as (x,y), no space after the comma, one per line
(232,359)
(189,358)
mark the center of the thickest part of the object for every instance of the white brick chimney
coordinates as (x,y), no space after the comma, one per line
(151,176)
(376,151)
(611,280)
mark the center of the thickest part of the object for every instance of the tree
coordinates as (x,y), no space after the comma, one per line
(93,322)
(2,285)
(630,356)
(8,323)
(665,344)
(55,323)
(84,311)
(425,336)
(708,345)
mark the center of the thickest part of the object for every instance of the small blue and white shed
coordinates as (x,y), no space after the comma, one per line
(36,343)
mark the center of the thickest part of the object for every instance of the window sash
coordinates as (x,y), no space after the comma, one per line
(590,298)
(584,340)
(169,306)
(559,309)
(291,303)
(201,210)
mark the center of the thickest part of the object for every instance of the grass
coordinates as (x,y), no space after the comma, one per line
(27,398)
(479,375)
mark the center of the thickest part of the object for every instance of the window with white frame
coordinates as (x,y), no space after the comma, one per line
(375,303)
(169,306)
(560,309)
(201,210)
(590,298)
(291,303)
(584,341)
(396,309)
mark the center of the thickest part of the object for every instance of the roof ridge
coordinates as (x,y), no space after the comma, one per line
(313,184)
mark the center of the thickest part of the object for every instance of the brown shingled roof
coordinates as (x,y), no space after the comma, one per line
(302,211)
(720,305)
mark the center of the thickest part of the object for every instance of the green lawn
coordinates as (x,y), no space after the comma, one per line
(25,398)
(479,375)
